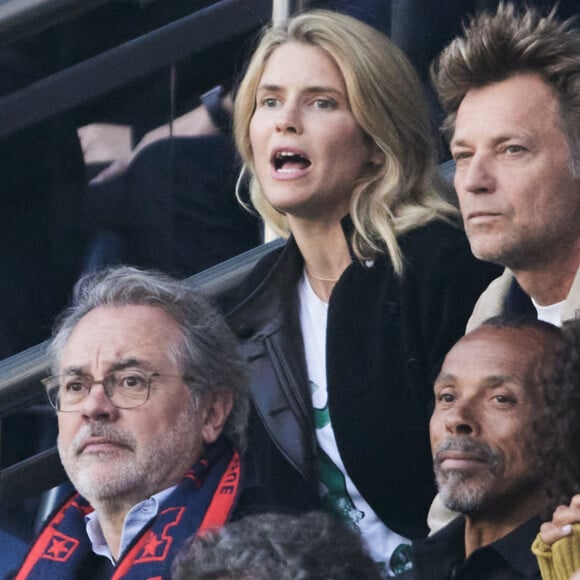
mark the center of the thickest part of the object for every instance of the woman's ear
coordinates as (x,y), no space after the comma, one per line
(377,158)
(216,409)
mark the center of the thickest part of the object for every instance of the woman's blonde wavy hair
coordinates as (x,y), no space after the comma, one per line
(388,103)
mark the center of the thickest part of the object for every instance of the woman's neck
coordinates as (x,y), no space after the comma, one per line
(326,255)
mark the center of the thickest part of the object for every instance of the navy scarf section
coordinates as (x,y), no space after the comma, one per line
(204,499)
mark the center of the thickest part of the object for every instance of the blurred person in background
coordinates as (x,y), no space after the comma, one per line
(312,546)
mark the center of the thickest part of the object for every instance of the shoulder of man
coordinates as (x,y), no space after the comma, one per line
(492,300)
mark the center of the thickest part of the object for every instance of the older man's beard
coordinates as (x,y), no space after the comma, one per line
(461,490)
(139,475)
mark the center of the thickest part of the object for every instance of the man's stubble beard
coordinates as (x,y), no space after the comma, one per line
(462,491)
(130,475)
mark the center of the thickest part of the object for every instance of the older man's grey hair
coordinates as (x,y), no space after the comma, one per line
(311,546)
(208,351)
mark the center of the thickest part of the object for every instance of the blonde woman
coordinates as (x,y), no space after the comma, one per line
(345,327)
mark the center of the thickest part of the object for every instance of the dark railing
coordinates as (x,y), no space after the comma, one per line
(133,60)
(19,18)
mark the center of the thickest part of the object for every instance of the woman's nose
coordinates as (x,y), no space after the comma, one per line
(288,120)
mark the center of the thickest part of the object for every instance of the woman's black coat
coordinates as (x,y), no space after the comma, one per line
(386,339)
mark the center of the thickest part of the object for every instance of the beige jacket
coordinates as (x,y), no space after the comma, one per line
(491,302)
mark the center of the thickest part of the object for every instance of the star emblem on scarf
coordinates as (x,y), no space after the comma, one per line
(60,547)
(150,547)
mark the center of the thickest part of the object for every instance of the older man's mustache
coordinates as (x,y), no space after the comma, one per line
(478,450)
(104,432)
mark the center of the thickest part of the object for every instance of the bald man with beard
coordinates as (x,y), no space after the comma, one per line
(485,453)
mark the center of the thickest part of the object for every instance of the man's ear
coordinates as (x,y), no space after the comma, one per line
(216,409)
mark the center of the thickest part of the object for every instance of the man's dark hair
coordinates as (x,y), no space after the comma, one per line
(559,427)
(521,321)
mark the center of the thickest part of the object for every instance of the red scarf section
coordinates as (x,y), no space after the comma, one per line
(204,499)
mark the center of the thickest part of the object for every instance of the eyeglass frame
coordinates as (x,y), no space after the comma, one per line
(108,394)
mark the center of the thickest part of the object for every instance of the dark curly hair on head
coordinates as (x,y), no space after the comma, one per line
(559,425)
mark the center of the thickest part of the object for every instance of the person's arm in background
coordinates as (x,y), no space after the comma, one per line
(212,116)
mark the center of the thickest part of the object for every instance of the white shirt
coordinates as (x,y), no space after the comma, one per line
(337,489)
(551,313)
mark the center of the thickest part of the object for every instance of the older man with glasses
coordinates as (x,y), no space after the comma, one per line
(151,400)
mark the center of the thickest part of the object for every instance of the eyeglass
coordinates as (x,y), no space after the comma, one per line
(126,389)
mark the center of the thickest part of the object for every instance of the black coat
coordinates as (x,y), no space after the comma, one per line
(386,339)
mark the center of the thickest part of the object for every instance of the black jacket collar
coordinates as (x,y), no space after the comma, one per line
(438,556)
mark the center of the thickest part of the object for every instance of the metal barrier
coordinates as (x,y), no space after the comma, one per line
(20,18)
(114,68)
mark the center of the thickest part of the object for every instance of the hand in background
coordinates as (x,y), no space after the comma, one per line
(562,520)
(196,123)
